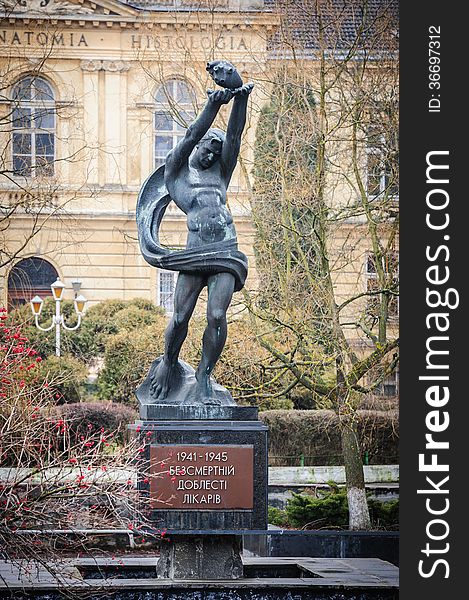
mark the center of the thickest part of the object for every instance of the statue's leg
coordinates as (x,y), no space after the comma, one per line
(188,288)
(220,292)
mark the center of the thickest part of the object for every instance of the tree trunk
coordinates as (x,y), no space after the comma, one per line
(359,515)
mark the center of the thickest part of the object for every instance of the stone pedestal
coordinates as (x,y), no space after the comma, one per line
(203,475)
(201,557)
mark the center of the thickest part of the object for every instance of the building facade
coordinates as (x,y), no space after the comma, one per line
(95,95)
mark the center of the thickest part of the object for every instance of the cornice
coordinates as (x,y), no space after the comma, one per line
(172,20)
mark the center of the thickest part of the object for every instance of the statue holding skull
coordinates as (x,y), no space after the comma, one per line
(196,176)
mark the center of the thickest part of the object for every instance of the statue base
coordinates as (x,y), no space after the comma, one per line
(183,389)
(203,476)
(197,412)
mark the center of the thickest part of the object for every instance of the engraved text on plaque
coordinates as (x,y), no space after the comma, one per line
(201,477)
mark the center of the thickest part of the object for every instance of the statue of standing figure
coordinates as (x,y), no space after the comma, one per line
(196,176)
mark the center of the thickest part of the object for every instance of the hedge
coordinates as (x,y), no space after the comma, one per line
(86,417)
(127,360)
(315,434)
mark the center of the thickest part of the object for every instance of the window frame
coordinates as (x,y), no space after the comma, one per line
(174,112)
(38,107)
(22,271)
(376,143)
(159,292)
(390,380)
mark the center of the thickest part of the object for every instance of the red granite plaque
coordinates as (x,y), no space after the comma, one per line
(201,477)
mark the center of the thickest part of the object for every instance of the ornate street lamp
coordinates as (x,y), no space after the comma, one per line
(58,319)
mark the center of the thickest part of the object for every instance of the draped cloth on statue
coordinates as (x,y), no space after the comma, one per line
(211,258)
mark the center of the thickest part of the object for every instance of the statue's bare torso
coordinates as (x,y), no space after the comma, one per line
(201,195)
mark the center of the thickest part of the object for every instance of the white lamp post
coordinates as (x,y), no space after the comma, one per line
(58,319)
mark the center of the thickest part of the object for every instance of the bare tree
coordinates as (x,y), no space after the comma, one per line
(324,206)
(58,475)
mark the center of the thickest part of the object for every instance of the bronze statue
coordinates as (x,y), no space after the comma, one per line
(196,176)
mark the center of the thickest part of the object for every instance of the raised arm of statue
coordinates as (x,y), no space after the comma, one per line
(236,124)
(196,131)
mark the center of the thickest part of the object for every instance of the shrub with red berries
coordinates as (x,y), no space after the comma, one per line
(56,469)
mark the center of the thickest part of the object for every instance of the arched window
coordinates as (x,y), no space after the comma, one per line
(175,110)
(33,120)
(30,277)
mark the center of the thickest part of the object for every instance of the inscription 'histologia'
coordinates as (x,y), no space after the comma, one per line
(198,477)
(171,42)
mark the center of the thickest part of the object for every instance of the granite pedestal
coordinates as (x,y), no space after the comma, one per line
(203,474)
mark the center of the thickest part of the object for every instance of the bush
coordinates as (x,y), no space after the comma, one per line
(316,435)
(330,510)
(278,517)
(132,317)
(91,417)
(24,396)
(59,478)
(384,515)
(379,435)
(66,376)
(108,318)
(373,402)
(127,360)
(309,512)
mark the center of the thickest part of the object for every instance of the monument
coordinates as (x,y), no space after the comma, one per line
(206,456)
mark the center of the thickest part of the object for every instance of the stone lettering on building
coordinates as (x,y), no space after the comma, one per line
(136,41)
(198,477)
(69,39)
(187,42)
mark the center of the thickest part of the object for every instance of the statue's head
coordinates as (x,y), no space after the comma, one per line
(208,150)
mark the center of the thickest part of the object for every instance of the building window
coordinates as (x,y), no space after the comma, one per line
(175,110)
(166,285)
(391,272)
(33,128)
(381,163)
(390,385)
(30,277)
